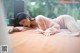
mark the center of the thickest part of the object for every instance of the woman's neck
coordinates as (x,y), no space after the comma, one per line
(34,24)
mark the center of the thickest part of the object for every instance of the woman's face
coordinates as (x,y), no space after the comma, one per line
(25,22)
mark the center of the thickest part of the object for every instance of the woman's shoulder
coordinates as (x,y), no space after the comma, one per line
(33,23)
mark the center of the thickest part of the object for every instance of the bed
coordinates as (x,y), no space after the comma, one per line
(31,42)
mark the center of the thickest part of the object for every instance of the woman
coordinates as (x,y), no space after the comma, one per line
(46,25)
(24,22)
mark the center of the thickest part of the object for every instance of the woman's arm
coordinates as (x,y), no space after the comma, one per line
(18,29)
(26,28)
(14,29)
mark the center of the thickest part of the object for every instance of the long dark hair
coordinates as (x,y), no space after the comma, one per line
(19,17)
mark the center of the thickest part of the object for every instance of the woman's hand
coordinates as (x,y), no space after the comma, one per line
(15,29)
(51,31)
(18,29)
(39,31)
(48,33)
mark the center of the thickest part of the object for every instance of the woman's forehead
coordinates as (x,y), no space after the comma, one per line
(24,20)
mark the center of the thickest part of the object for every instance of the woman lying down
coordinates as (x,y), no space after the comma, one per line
(64,23)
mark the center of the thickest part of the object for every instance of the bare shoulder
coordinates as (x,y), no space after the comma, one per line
(33,23)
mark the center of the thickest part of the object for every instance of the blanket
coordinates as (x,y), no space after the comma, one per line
(31,42)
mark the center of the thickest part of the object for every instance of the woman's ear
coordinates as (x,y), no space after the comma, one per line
(32,19)
(28,19)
